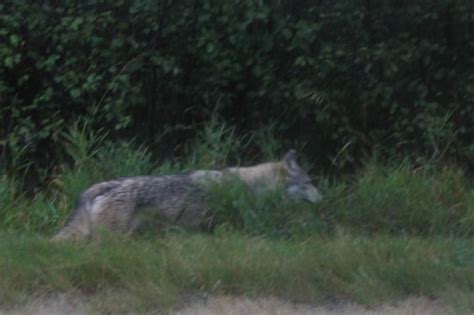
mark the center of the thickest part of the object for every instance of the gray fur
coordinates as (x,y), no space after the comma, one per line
(122,204)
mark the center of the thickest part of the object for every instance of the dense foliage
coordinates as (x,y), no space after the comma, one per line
(339,78)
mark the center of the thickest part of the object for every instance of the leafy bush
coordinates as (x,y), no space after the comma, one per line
(338,78)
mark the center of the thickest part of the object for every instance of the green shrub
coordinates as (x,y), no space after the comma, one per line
(341,78)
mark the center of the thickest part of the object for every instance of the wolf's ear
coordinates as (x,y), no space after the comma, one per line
(290,159)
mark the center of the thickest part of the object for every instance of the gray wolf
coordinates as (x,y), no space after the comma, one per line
(122,204)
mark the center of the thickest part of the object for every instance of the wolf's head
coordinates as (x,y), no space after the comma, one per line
(298,183)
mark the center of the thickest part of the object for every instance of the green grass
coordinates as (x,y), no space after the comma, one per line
(153,272)
(385,233)
(270,214)
(398,200)
(402,200)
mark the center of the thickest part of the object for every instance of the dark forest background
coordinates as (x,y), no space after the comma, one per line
(339,80)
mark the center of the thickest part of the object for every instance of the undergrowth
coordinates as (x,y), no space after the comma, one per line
(385,232)
(401,199)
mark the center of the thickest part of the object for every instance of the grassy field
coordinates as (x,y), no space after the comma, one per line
(387,232)
(154,272)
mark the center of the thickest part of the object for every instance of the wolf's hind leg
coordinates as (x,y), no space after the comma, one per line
(134,223)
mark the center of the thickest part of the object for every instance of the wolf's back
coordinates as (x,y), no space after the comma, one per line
(119,205)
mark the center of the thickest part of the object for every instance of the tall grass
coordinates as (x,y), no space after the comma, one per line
(93,159)
(403,200)
(268,214)
(216,146)
(399,200)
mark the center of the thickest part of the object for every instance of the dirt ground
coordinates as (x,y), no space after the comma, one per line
(272,306)
(225,305)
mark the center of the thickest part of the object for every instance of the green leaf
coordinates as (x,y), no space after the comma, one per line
(14,39)
(9,62)
(75,93)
